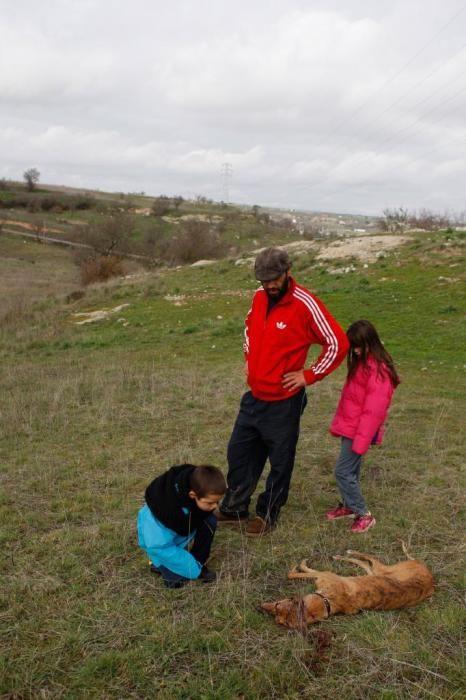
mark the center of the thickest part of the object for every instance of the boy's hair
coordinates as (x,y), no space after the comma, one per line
(207,479)
(362,334)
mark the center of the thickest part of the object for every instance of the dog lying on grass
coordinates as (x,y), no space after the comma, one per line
(384,588)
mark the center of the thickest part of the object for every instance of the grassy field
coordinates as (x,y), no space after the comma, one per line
(91,413)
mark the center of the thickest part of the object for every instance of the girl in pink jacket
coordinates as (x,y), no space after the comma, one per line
(359,417)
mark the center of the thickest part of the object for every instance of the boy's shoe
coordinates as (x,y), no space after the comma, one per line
(227,519)
(206,575)
(169,584)
(362,523)
(176,584)
(340,511)
(258,527)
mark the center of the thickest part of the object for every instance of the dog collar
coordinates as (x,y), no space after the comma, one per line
(326,602)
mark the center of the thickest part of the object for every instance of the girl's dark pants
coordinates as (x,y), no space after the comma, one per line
(200,550)
(263,429)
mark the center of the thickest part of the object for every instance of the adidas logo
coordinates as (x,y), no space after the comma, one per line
(280,325)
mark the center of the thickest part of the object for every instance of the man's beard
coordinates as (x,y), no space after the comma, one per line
(279,292)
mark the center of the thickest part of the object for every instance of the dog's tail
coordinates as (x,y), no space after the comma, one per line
(405,550)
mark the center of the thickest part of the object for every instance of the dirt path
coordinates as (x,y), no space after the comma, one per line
(30,227)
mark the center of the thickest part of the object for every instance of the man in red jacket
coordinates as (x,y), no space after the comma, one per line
(285,319)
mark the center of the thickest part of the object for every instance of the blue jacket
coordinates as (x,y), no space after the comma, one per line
(165,547)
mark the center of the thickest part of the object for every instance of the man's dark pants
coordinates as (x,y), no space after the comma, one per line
(263,429)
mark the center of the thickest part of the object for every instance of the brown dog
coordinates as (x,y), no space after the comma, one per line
(384,588)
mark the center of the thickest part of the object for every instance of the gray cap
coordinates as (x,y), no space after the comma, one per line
(271,263)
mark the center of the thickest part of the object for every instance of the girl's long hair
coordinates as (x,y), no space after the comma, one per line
(362,335)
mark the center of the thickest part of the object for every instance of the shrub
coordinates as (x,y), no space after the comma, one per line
(82,202)
(50,203)
(14,201)
(101,268)
(161,205)
(33,205)
(111,236)
(196,242)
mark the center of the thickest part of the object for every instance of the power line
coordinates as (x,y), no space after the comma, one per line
(427,153)
(397,143)
(447,85)
(407,127)
(389,170)
(227,174)
(420,119)
(398,73)
(377,116)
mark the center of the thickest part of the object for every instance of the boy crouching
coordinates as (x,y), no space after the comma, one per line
(178,512)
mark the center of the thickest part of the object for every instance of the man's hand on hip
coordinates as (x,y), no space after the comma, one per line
(293,380)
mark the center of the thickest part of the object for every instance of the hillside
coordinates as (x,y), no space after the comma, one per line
(161,230)
(93,411)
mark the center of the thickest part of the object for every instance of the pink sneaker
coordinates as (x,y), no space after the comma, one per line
(362,523)
(340,511)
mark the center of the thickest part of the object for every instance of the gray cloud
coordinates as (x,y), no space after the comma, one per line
(317,105)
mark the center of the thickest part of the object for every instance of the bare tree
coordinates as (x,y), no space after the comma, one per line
(31,178)
(397,220)
(177,202)
(394,220)
(107,243)
(311,231)
(109,237)
(196,241)
(161,205)
(428,220)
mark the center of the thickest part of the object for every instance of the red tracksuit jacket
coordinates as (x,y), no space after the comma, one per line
(278,343)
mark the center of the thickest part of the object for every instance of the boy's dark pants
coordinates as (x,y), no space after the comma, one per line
(263,429)
(200,550)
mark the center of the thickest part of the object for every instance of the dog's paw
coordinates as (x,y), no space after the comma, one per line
(303,566)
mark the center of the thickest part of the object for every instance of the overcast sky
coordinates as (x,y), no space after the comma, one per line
(333,105)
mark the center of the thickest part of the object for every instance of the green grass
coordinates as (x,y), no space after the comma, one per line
(90,414)
(30,272)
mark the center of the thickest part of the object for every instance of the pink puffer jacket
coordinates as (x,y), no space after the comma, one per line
(363,406)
